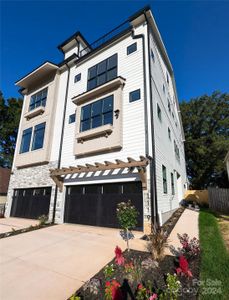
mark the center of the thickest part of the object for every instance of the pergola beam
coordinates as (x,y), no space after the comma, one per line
(130,165)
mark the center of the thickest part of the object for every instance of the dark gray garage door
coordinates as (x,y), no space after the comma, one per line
(31,203)
(96,204)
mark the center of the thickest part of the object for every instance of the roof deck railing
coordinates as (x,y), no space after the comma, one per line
(105,38)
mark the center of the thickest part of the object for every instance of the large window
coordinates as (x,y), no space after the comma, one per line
(38,99)
(25,141)
(101,73)
(164,176)
(97,114)
(172,184)
(38,136)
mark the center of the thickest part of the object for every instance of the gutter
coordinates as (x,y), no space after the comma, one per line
(153,189)
(61,142)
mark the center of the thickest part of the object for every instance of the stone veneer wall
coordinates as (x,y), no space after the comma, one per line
(31,177)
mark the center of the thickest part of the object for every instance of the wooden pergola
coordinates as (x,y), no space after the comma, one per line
(58,174)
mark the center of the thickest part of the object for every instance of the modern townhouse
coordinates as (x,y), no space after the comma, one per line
(102,126)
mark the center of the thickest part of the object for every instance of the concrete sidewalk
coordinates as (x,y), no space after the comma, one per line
(188,223)
(6,224)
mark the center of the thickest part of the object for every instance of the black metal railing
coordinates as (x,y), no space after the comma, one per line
(105,38)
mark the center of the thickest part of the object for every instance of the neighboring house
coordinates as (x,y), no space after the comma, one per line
(102,126)
(4,183)
(227,163)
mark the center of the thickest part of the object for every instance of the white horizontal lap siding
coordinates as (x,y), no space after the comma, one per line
(164,147)
(131,68)
(58,116)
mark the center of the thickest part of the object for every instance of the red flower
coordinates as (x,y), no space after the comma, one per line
(119,259)
(140,286)
(183,267)
(112,290)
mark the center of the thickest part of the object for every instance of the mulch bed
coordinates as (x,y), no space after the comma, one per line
(156,276)
(14,232)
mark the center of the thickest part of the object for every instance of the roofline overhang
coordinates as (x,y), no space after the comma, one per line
(76,36)
(24,80)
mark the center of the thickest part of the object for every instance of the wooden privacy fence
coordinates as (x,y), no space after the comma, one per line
(219,200)
(198,196)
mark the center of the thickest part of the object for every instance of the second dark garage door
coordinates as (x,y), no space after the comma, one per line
(31,203)
(96,204)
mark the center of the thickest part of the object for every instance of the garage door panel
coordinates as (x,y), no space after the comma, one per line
(31,203)
(96,204)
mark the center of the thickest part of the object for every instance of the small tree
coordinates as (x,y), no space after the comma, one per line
(127,218)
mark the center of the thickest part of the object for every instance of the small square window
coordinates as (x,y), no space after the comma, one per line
(135,95)
(169,106)
(167,78)
(159,112)
(72,118)
(152,55)
(77,77)
(132,48)
(169,133)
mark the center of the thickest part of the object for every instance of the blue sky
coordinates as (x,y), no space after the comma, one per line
(195,33)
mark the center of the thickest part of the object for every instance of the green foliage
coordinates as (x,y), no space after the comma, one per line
(206,126)
(214,267)
(43,219)
(172,288)
(108,271)
(10,112)
(127,215)
(73,297)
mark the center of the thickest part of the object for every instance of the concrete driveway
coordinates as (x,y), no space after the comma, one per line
(6,224)
(51,263)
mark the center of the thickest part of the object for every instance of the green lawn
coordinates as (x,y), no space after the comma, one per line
(214,268)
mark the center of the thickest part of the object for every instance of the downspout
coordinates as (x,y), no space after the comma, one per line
(61,142)
(152,160)
(153,181)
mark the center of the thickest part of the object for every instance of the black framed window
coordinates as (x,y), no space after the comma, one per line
(38,136)
(72,118)
(167,78)
(77,78)
(135,95)
(152,55)
(38,99)
(132,48)
(172,184)
(169,133)
(97,114)
(164,176)
(159,112)
(169,106)
(104,71)
(176,150)
(26,139)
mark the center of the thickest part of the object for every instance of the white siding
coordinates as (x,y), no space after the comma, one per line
(131,68)
(164,147)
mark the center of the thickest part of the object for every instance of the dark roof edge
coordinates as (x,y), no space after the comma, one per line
(74,36)
(139,12)
(45,62)
(122,33)
(67,60)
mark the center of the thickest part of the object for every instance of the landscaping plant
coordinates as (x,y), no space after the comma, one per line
(43,220)
(183,268)
(109,271)
(127,217)
(190,247)
(157,243)
(172,288)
